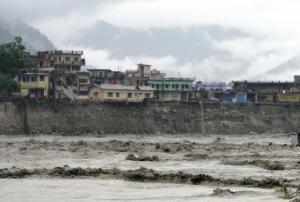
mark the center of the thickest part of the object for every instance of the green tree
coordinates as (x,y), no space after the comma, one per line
(7,85)
(13,57)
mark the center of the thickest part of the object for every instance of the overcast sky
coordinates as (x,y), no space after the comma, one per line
(272,27)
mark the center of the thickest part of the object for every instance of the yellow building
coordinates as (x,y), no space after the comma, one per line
(120,93)
(34,85)
(290,97)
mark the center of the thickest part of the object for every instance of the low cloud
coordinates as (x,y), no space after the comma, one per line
(271,35)
(209,69)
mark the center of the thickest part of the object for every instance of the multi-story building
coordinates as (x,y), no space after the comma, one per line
(83,83)
(142,75)
(155,74)
(263,87)
(172,89)
(33,84)
(63,66)
(269,91)
(106,76)
(61,61)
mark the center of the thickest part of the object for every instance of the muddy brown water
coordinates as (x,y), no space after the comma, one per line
(213,155)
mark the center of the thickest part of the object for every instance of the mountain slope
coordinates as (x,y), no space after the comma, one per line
(33,39)
(286,69)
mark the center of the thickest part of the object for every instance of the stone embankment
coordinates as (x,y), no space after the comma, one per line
(148,118)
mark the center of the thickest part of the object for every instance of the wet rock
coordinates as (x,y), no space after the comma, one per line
(133,157)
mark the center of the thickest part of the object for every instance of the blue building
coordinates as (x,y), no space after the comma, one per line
(241,97)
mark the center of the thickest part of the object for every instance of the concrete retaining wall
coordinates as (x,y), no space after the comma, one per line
(151,118)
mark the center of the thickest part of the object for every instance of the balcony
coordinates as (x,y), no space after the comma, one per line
(66,52)
(82,61)
(74,63)
(63,62)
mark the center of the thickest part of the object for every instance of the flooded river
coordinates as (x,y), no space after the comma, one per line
(232,168)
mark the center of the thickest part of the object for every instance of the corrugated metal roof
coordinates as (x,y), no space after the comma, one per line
(123,87)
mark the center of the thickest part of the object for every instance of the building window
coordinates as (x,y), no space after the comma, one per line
(153,85)
(175,86)
(129,95)
(83,81)
(157,86)
(117,94)
(25,78)
(42,78)
(76,59)
(67,58)
(140,93)
(147,95)
(167,86)
(110,94)
(95,94)
(33,79)
(83,93)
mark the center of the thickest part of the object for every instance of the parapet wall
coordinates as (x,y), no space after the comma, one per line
(150,118)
